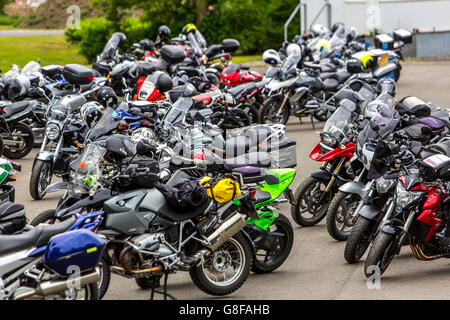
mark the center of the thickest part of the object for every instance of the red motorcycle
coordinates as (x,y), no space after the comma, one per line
(236,74)
(424,207)
(336,148)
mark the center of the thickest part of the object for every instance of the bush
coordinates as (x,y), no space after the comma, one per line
(11,20)
(91,37)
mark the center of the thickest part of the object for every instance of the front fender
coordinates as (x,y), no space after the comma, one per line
(387,227)
(369,212)
(46,156)
(321,174)
(356,187)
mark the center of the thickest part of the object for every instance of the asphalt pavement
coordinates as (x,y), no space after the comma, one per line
(316,268)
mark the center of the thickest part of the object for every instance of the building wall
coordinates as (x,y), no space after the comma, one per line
(425,15)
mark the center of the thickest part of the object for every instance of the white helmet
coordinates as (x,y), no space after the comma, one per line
(293,49)
(318,30)
(271,57)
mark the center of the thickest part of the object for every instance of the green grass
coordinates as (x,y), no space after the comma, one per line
(51,49)
(246,59)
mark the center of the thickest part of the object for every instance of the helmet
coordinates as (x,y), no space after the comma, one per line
(318,30)
(17,86)
(119,147)
(294,49)
(352,34)
(145,141)
(106,95)
(163,82)
(91,113)
(271,57)
(189,28)
(322,44)
(164,32)
(386,85)
(336,26)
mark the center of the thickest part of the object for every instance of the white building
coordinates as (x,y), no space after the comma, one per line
(386,15)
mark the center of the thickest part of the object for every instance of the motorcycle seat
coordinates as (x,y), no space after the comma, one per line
(326,75)
(176,216)
(262,196)
(343,75)
(15,108)
(330,84)
(61,92)
(36,237)
(239,91)
(251,174)
(8,209)
(252,159)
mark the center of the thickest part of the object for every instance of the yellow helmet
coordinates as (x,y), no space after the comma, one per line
(323,43)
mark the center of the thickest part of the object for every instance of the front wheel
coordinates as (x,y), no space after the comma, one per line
(271,113)
(311,202)
(41,177)
(226,269)
(340,218)
(358,240)
(270,255)
(19,143)
(380,254)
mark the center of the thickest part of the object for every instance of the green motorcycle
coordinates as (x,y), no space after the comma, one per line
(272,234)
(7,170)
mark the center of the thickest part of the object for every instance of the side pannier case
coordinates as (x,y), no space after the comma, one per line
(81,248)
(77,74)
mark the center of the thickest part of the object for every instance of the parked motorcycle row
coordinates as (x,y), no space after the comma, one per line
(173,158)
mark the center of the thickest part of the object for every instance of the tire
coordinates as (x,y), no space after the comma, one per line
(303,194)
(243,251)
(2,146)
(284,226)
(271,107)
(147,283)
(252,112)
(236,118)
(28,142)
(214,79)
(358,240)
(340,211)
(48,216)
(105,278)
(379,253)
(41,177)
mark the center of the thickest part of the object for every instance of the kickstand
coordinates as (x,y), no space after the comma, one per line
(312,122)
(164,293)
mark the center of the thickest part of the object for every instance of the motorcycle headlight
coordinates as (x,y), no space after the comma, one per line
(329,140)
(383,185)
(405,198)
(52,131)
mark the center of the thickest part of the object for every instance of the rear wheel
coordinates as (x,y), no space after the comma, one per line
(19,143)
(311,202)
(252,112)
(41,177)
(271,113)
(268,259)
(48,217)
(340,218)
(226,269)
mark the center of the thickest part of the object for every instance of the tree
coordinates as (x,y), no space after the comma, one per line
(3,4)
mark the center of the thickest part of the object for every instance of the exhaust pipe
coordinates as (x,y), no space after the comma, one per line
(51,287)
(226,230)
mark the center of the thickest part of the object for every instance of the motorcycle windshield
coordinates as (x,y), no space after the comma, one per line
(58,113)
(177,112)
(31,66)
(338,125)
(338,38)
(194,44)
(105,125)
(379,127)
(88,173)
(290,62)
(111,47)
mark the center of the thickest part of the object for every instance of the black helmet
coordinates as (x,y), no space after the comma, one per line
(163,82)
(91,113)
(164,32)
(336,26)
(147,44)
(387,85)
(13,88)
(106,95)
(119,147)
